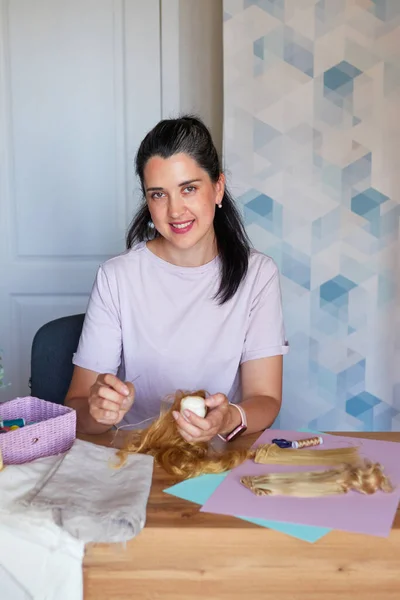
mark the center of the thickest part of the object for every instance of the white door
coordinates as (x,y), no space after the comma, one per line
(79,87)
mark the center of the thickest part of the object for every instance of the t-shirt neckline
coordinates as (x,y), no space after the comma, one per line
(211,265)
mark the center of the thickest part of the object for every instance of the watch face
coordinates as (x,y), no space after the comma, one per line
(236,432)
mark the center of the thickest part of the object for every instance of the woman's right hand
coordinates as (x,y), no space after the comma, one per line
(110,399)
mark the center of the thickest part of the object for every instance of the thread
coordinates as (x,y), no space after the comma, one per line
(308,443)
(134,425)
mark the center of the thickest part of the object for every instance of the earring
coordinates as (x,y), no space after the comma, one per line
(219,205)
(150,225)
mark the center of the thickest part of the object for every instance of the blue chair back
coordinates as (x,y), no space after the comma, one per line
(51,357)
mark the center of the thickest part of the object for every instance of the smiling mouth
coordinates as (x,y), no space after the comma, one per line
(182,227)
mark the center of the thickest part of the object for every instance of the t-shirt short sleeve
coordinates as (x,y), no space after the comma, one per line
(265,335)
(100,344)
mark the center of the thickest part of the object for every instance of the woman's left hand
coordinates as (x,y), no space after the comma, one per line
(196,429)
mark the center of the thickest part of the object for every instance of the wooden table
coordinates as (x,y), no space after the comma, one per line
(183,554)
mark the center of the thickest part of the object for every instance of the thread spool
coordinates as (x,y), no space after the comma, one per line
(308,443)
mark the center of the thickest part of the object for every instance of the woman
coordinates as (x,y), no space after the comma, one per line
(188,306)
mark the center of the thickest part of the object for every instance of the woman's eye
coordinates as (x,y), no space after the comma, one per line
(189,189)
(157,195)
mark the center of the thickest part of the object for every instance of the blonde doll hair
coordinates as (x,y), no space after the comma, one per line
(366,478)
(174,454)
(183,459)
(271,454)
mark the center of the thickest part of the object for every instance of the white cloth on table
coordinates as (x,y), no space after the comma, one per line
(11,589)
(38,560)
(50,507)
(91,498)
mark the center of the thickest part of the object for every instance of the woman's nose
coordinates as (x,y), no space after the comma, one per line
(176,206)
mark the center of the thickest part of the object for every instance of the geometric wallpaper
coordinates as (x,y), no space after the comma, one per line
(312,154)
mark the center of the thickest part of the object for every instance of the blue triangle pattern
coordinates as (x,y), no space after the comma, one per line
(303,137)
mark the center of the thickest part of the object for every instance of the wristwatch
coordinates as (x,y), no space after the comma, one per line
(239,429)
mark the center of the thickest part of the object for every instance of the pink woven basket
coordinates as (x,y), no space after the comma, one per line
(53,431)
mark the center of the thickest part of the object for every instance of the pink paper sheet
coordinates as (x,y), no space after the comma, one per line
(353,512)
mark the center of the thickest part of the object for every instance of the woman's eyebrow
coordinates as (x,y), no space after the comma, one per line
(189,182)
(159,189)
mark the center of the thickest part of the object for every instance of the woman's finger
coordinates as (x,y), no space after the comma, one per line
(106,393)
(191,440)
(104,404)
(131,390)
(186,426)
(113,382)
(216,400)
(185,436)
(106,417)
(200,422)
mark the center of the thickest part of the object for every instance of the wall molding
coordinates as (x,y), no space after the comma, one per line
(169,58)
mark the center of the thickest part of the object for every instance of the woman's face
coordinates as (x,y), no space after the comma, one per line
(181,198)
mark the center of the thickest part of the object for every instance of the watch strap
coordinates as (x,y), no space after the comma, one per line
(239,428)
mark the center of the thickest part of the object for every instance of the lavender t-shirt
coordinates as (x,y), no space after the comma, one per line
(157,324)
